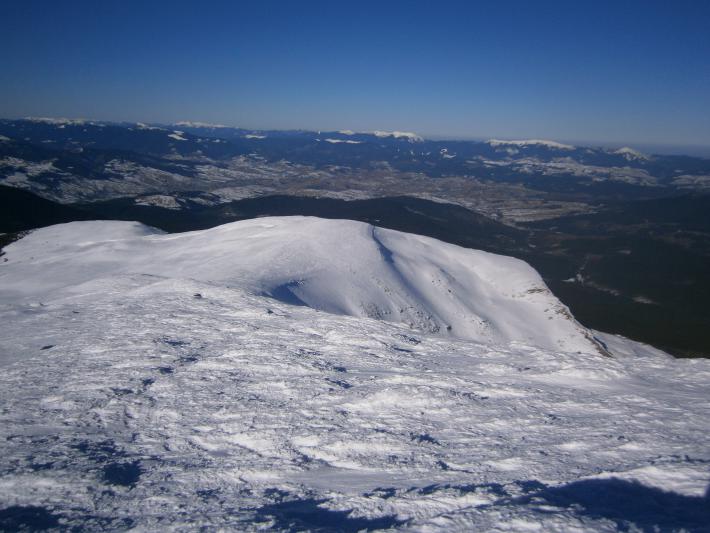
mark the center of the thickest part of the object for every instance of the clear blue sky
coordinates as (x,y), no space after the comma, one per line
(621,71)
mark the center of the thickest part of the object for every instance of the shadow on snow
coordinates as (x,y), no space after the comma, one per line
(626,503)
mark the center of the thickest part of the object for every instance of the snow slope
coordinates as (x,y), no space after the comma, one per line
(148,384)
(341,267)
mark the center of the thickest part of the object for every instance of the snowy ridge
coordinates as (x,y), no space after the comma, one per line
(630,154)
(341,267)
(61,121)
(190,124)
(531,142)
(411,137)
(346,141)
(143,126)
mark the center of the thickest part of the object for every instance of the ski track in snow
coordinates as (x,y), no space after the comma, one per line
(167,403)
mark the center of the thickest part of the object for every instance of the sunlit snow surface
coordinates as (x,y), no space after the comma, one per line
(158,401)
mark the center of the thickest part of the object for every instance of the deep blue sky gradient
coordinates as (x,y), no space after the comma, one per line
(623,71)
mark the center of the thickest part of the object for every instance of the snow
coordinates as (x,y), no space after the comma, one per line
(692,181)
(148,383)
(568,165)
(60,121)
(177,135)
(412,137)
(630,154)
(159,200)
(191,124)
(531,142)
(143,126)
(346,141)
(30,168)
(342,267)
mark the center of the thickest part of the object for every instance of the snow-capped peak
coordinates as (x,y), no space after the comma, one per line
(59,121)
(531,142)
(193,124)
(143,126)
(346,141)
(411,137)
(630,154)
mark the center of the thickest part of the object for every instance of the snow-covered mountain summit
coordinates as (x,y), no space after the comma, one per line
(340,267)
(630,154)
(411,137)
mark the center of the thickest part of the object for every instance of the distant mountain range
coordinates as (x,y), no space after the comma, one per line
(48,155)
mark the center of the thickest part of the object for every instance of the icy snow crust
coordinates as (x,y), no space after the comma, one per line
(148,383)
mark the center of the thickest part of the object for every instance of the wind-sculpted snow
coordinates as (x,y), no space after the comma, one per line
(341,267)
(181,398)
